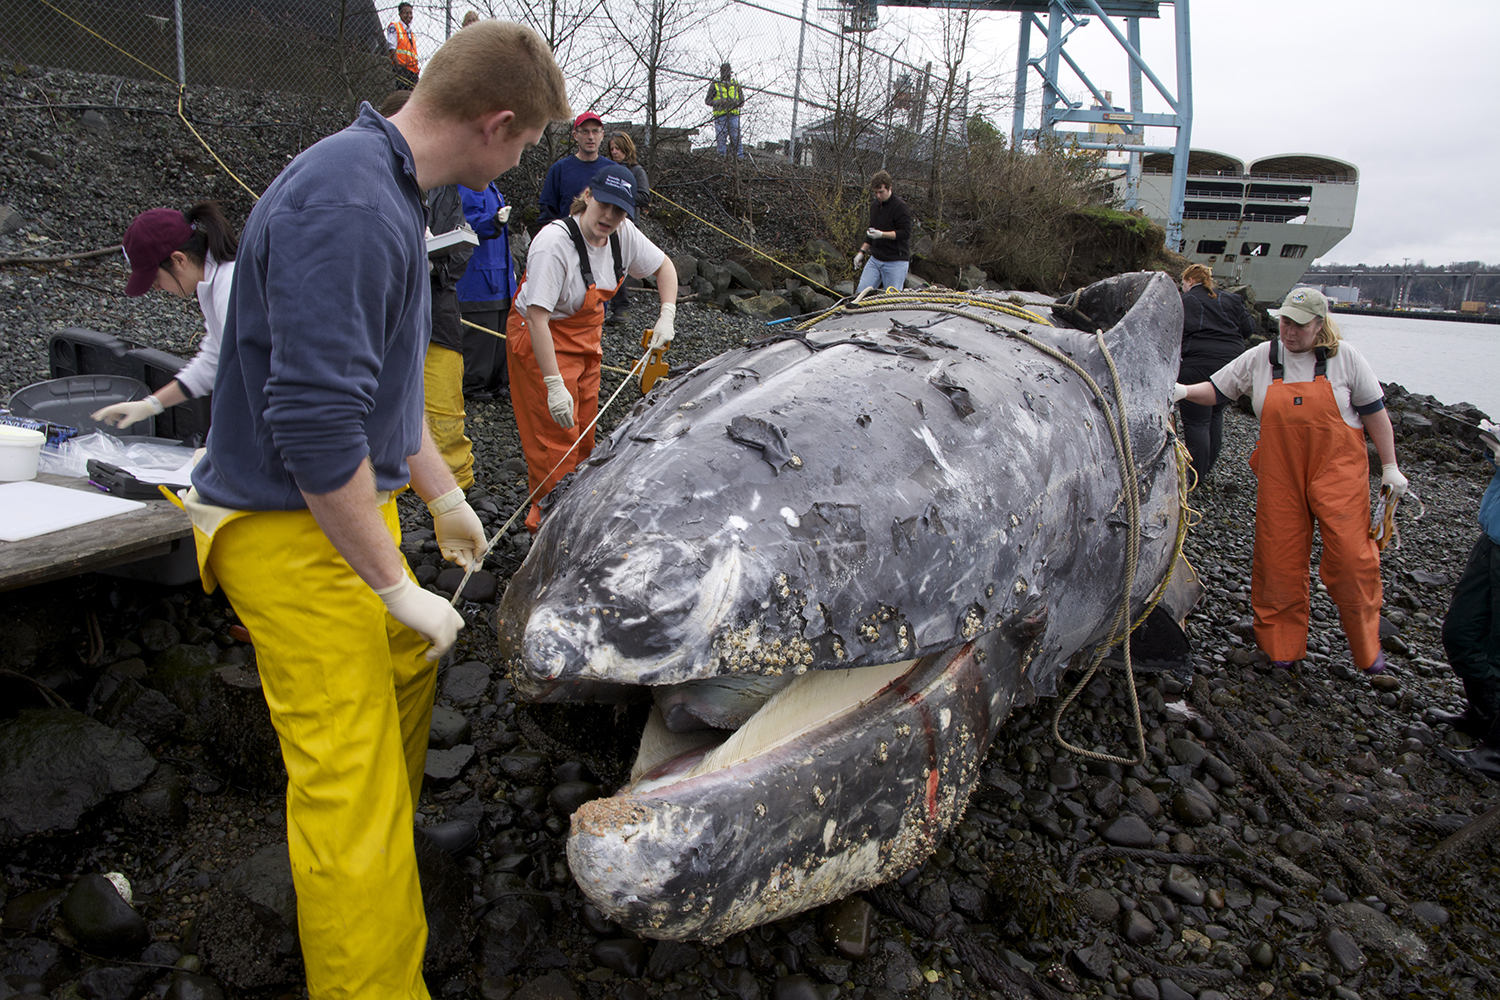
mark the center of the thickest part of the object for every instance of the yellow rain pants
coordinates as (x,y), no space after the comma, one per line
(443,382)
(350,692)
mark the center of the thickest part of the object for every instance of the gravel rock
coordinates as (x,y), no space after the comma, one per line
(1128,831)
(101,920)
(56,764)
(466,683)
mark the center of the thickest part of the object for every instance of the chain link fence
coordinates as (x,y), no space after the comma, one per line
(649,62)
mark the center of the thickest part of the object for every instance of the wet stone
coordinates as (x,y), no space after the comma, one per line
(1187,752)
(1099,904)
(1191,809)
(1345,952)
(1171,991)
(466,683)
(449,728)
(31,957)
(1064,775)
(1108,799)
(669,958)
(1183,885)
(1129,831)
(190,986)
(552,986)
(1430,913)
(1298,844)
(847,929)
(568,796)
(627,956)
(159,636)
(1137,928)
(56,764)
(482,586)
(1262,954)
(738,983)
(444,766)
(1145,802)
(798,987)
(111,982)
(1095,960)
(103,922)
(526,766)
(1142,988)
(933,899)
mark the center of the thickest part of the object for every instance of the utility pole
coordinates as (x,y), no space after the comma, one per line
(797,86)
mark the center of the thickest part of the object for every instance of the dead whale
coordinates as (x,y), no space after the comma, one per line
(833,559)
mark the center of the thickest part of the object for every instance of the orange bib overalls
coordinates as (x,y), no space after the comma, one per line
(1311,465)
(578,341)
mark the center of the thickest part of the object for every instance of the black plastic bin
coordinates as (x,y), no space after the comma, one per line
(76,351)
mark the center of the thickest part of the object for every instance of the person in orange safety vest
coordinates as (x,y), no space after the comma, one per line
(401,46)
(1316,399)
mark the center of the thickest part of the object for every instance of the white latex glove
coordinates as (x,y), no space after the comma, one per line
(874,234)
(503,215)
(662,333)
(1391,476)
(1179,392)
(1493,442)
(460,536)
(425,613)
(122,415)
(558,400)
(859,260)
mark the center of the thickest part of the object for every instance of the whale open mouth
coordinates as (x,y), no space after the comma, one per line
(832,781)
(681,740)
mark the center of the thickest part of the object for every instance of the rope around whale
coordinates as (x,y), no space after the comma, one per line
(1115,422)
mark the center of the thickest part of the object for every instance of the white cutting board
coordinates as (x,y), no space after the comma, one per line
(29,509)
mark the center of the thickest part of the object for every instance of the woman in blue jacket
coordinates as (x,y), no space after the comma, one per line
(485,291)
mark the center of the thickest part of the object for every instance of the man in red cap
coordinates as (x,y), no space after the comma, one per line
(570,175)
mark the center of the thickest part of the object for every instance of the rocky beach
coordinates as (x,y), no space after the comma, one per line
(1288,833)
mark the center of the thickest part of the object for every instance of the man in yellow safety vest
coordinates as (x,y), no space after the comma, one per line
(401,46)
(725,96)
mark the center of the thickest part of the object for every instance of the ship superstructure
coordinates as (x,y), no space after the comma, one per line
(1260,223)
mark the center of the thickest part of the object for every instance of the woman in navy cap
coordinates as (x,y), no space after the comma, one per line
(187,254)
(555,336)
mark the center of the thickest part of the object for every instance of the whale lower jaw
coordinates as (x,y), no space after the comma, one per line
(843,780)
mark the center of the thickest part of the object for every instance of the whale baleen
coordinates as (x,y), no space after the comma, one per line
(833,559)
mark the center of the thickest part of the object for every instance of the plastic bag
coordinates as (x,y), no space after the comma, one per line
(149,461)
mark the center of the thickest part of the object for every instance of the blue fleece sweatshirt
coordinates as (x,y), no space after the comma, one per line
(1489,508)
(565,181)
(329,320)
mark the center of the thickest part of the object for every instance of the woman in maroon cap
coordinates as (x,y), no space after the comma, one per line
(185,254)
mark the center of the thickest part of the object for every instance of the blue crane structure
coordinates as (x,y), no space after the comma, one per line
(1063,18)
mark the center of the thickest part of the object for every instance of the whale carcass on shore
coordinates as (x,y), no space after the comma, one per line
(833,560)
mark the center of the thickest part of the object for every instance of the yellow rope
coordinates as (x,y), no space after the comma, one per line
(497,333)
(204,142)
(106,41)
(180,90)
(754,249)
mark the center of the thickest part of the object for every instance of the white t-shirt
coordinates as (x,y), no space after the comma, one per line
(554,280)
(197,376)
(1354,383)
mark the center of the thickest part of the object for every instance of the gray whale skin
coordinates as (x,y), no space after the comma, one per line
(857,558)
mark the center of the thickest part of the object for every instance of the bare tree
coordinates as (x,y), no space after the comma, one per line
(957,25)
(653,30)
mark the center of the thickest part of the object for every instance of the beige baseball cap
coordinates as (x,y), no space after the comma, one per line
(1301,305)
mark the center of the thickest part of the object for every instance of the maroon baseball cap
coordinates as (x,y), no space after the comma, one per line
(587,116)
(149,241)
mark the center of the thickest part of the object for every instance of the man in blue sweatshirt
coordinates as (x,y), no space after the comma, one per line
(567,178)
(317,425)
(1471,633)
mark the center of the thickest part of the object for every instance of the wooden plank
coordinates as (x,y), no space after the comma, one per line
(96,545)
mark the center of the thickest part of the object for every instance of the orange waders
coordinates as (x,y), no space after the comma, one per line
(1311,464)
(578,341)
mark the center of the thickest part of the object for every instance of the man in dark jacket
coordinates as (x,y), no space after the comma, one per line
(887,241)
(567,178)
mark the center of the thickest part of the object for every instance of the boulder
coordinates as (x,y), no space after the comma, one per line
(816,272)
(742,277)
(95,122)
(102,920)
(686,264)
(916,283)
(160,803)
(765,307)
(248,932)
(10,220)
(466,684)
(970,278)
(56,764)
(921,247)
(140,711)
(824,249)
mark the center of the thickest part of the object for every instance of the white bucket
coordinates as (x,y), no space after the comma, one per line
(20,448)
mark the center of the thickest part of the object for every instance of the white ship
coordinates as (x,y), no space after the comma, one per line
(1261,224)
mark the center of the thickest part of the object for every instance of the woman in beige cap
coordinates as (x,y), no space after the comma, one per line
(1316,398)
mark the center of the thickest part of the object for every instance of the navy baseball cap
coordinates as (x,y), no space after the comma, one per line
(615,185)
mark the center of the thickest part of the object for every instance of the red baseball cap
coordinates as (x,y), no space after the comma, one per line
(587,116)
(149,241)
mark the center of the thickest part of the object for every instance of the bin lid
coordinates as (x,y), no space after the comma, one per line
(69,401)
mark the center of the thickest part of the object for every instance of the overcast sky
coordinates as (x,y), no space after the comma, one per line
(1394,88)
